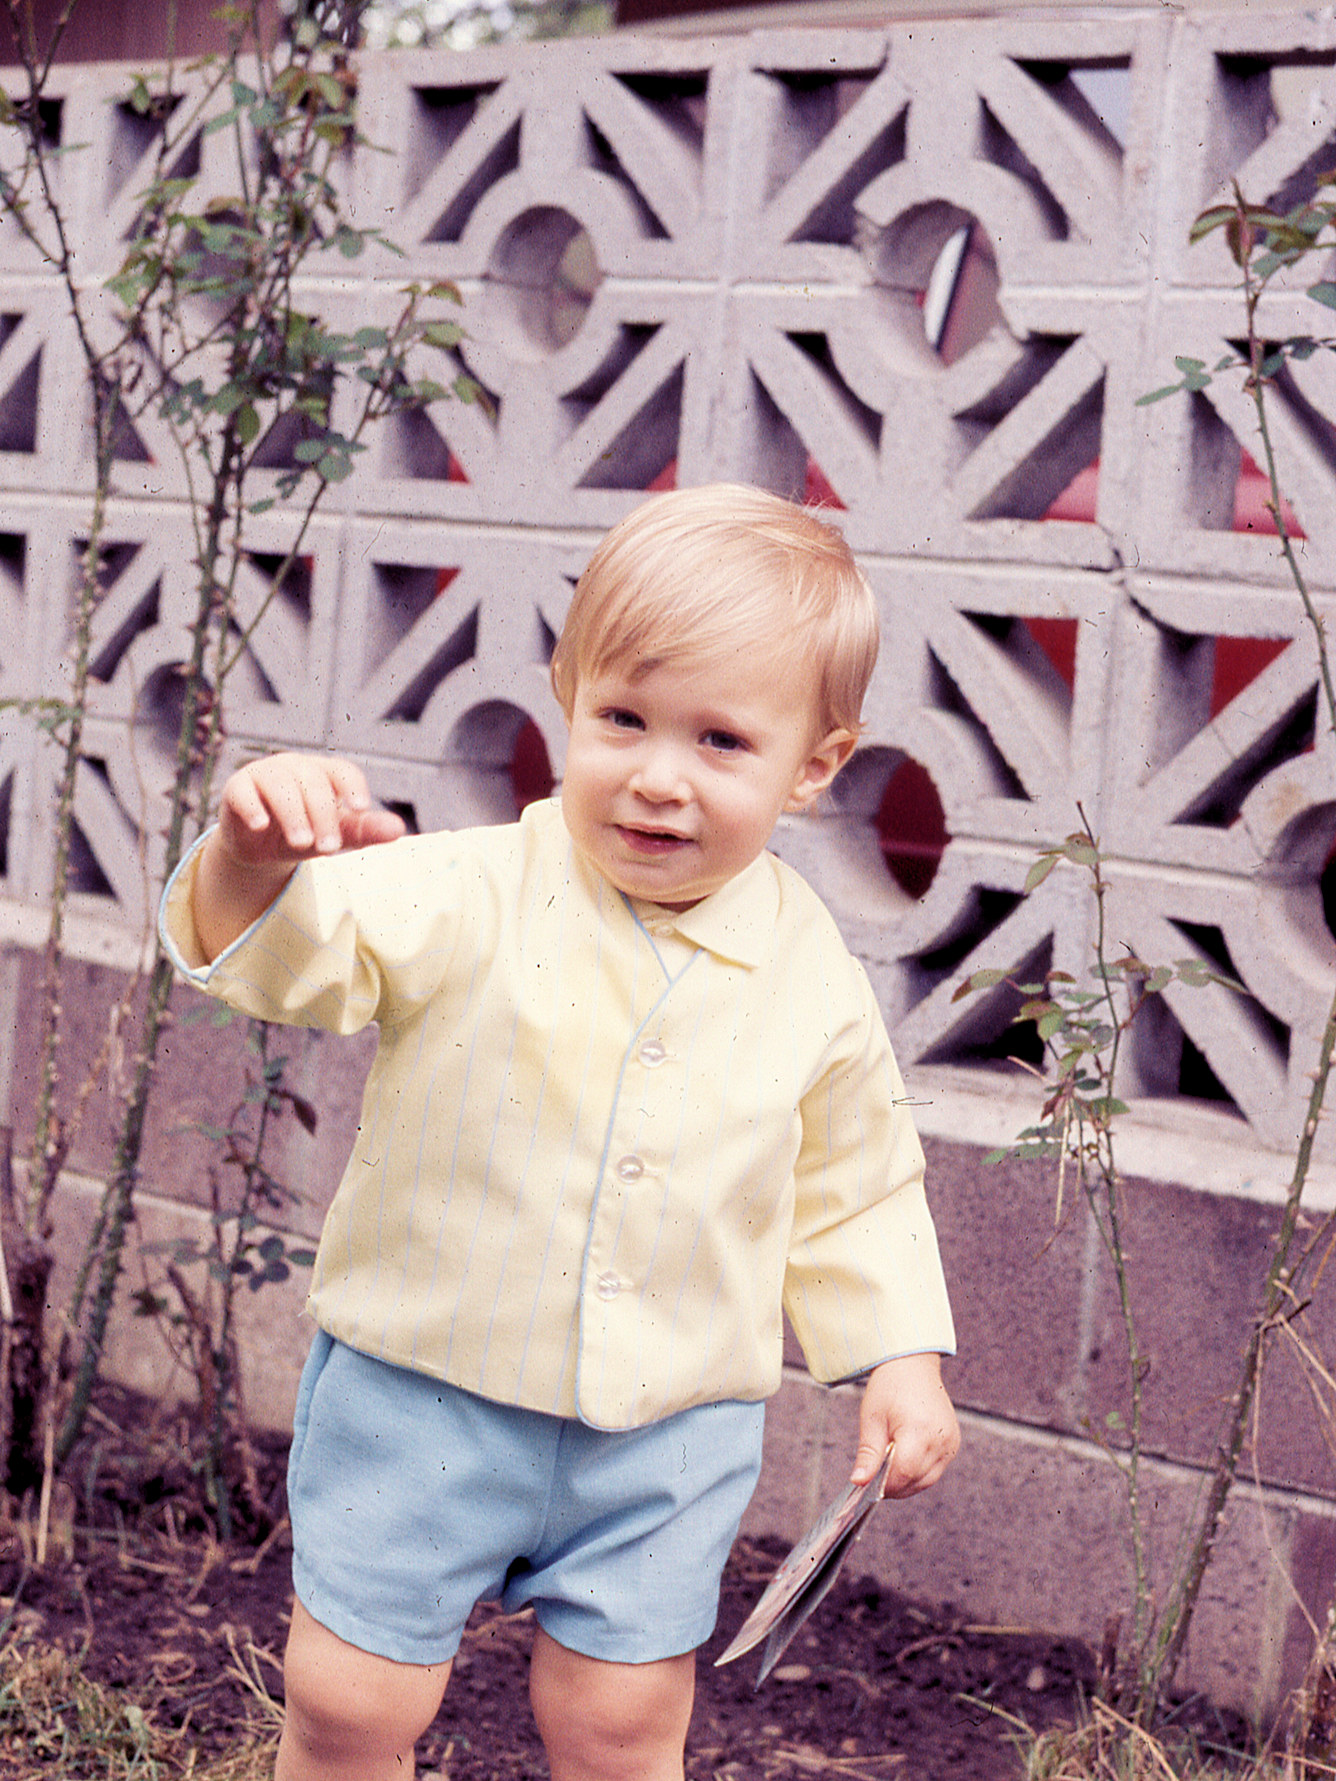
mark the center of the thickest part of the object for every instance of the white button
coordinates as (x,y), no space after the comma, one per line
(630,1168)
(607,1286)
(652,1054)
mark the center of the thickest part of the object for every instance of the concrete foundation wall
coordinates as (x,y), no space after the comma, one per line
(711,259)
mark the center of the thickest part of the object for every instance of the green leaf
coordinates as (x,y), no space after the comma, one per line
(443,334)
(1108,1107)
(1169,389)
(1079,851)
(1267,264)
(1039,871)
(1194,973)
(332,91)
(985,979)
(1324,292)
(1051,1023)
(334,130)
(229,398)
(1214,218)
(335,466)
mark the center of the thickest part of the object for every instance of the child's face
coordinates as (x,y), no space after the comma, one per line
(676,776)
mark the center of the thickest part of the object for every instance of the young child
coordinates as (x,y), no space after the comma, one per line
(632,1096)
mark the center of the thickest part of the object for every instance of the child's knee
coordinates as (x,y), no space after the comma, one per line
(610,1721)
(348,1708)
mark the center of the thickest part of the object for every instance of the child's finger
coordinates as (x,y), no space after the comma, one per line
(867,1461)
(242,802)
(349,784)
(320,797)
(369,828)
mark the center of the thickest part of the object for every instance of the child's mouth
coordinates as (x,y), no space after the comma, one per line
(651,841)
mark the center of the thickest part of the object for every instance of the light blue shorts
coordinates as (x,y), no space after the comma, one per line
(412,1500)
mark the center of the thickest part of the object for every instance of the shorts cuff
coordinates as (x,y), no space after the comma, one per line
(588,1638)
(370,1635)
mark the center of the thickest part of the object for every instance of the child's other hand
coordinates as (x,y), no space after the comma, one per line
(289,807)
(905,1404)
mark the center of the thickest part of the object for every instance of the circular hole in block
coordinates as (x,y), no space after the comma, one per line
(941,257)
(160,707)
(531,775)
(911,828)
(894,818)
(542,278)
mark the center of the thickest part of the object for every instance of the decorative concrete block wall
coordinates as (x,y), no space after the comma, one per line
(701,260)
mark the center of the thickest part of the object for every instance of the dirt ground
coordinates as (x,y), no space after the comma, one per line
(193,1630)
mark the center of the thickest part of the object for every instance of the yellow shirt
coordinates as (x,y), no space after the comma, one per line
(599,1145)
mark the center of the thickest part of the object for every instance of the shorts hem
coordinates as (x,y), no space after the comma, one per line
(365,1635)
(588,1639)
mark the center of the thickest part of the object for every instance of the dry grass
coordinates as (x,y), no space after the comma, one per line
(55,1721)
(1108,1747)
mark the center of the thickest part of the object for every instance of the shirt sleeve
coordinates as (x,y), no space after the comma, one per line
(864,1282)
(358,937)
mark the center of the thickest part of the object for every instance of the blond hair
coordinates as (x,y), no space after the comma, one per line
(704,571)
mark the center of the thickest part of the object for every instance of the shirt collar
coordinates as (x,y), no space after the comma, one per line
(736,922)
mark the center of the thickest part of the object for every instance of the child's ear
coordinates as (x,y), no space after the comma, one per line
(820,768)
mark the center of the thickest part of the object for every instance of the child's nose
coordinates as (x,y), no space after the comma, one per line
(658,775)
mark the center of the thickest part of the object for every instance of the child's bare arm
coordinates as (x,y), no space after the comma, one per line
(905,1404)
(275,813)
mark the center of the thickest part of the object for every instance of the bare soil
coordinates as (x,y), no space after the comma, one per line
(193,1630)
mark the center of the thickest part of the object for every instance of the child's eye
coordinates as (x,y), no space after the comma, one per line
(724,741)
(621,719)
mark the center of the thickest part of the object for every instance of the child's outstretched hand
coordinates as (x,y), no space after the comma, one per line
(288,807)
(275,813)
(905,1405)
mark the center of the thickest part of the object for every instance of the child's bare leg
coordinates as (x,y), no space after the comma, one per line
(611,1721)
(351,1716)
